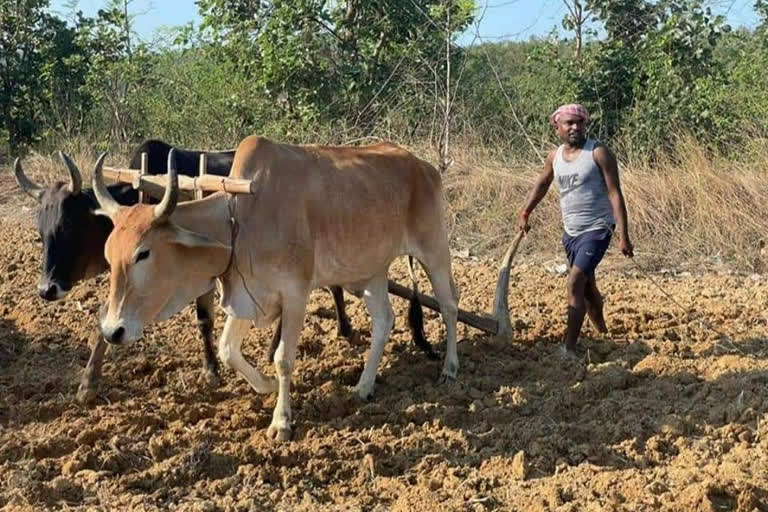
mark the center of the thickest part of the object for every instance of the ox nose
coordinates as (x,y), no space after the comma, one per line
(114,335)
(48,291)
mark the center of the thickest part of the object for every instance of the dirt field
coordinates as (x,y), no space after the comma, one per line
(665,414)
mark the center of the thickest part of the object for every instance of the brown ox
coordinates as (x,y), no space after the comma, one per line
(322,216)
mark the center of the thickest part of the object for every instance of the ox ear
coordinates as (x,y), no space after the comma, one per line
(188,238)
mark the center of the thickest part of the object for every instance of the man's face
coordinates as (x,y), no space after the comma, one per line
(570,129)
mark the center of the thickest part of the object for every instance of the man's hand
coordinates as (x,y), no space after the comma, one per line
(626,247)
(523,222)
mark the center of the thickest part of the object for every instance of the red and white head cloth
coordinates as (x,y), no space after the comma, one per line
(571,108)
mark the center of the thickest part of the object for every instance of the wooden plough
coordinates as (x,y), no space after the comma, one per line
(498,324)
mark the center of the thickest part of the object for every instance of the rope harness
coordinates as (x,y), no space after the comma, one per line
(232,263)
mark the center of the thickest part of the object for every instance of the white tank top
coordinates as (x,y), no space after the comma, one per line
(583,195)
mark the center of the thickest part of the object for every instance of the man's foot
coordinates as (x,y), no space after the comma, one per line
(570,353)
(599,325)
(596,318)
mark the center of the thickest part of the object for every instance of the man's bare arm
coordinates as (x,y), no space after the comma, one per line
(607,163)
(539,190)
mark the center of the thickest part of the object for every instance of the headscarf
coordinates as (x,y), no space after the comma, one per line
(571,108)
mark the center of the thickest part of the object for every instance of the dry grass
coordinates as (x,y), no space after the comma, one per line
(692,206)
(46,167)
(685,207)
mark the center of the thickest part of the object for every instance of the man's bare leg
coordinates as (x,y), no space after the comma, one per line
(594,304)
(577,282)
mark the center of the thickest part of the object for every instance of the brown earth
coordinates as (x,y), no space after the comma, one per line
(668,412)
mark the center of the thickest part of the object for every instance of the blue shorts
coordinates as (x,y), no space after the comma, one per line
(586,250)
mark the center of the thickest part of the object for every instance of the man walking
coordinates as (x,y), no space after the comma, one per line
(587,177)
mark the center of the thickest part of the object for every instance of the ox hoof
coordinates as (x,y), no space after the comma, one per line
(346,331)
(365,392)
(279,433)
(211,377)
(355,339)
(446,378)
(86,395)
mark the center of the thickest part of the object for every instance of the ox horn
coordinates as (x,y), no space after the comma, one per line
(27,185)
(165,208)
(75,180)
(107,203)
(500,300)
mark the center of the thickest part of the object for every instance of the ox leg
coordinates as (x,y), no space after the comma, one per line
(344,329)
(447,295)
(376,299)
(204,307)
(285,357)
(86,392)
(275,341)
(416,315)
(235,329)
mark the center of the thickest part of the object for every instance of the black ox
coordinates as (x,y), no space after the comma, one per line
(73,239)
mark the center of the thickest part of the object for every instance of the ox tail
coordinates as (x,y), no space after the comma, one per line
(416,316)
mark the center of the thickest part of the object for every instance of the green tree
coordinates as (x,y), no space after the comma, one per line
(654,72)
(27,33)
(320,61)
(117,74)
(678,76)
(761,7)
(65,101)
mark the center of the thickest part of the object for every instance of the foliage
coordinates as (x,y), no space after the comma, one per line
(320,62)
(28,45)
(311,70)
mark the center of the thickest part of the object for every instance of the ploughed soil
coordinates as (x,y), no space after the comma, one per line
(669,411)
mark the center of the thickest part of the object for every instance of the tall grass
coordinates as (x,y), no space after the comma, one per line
(44,166)
(684,206)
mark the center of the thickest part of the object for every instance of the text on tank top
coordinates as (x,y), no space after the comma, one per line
(584,199)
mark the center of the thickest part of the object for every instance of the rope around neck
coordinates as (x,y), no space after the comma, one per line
(232,263)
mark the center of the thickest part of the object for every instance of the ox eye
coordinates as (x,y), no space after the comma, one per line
(142,255)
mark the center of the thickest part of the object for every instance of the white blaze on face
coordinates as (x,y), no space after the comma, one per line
(121,324)
(136,276)
(130,259)
(149,281)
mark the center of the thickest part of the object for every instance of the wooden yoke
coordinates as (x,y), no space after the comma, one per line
(206,183)
(144,196)
(199,194)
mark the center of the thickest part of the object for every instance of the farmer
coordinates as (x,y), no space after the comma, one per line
(592,207)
